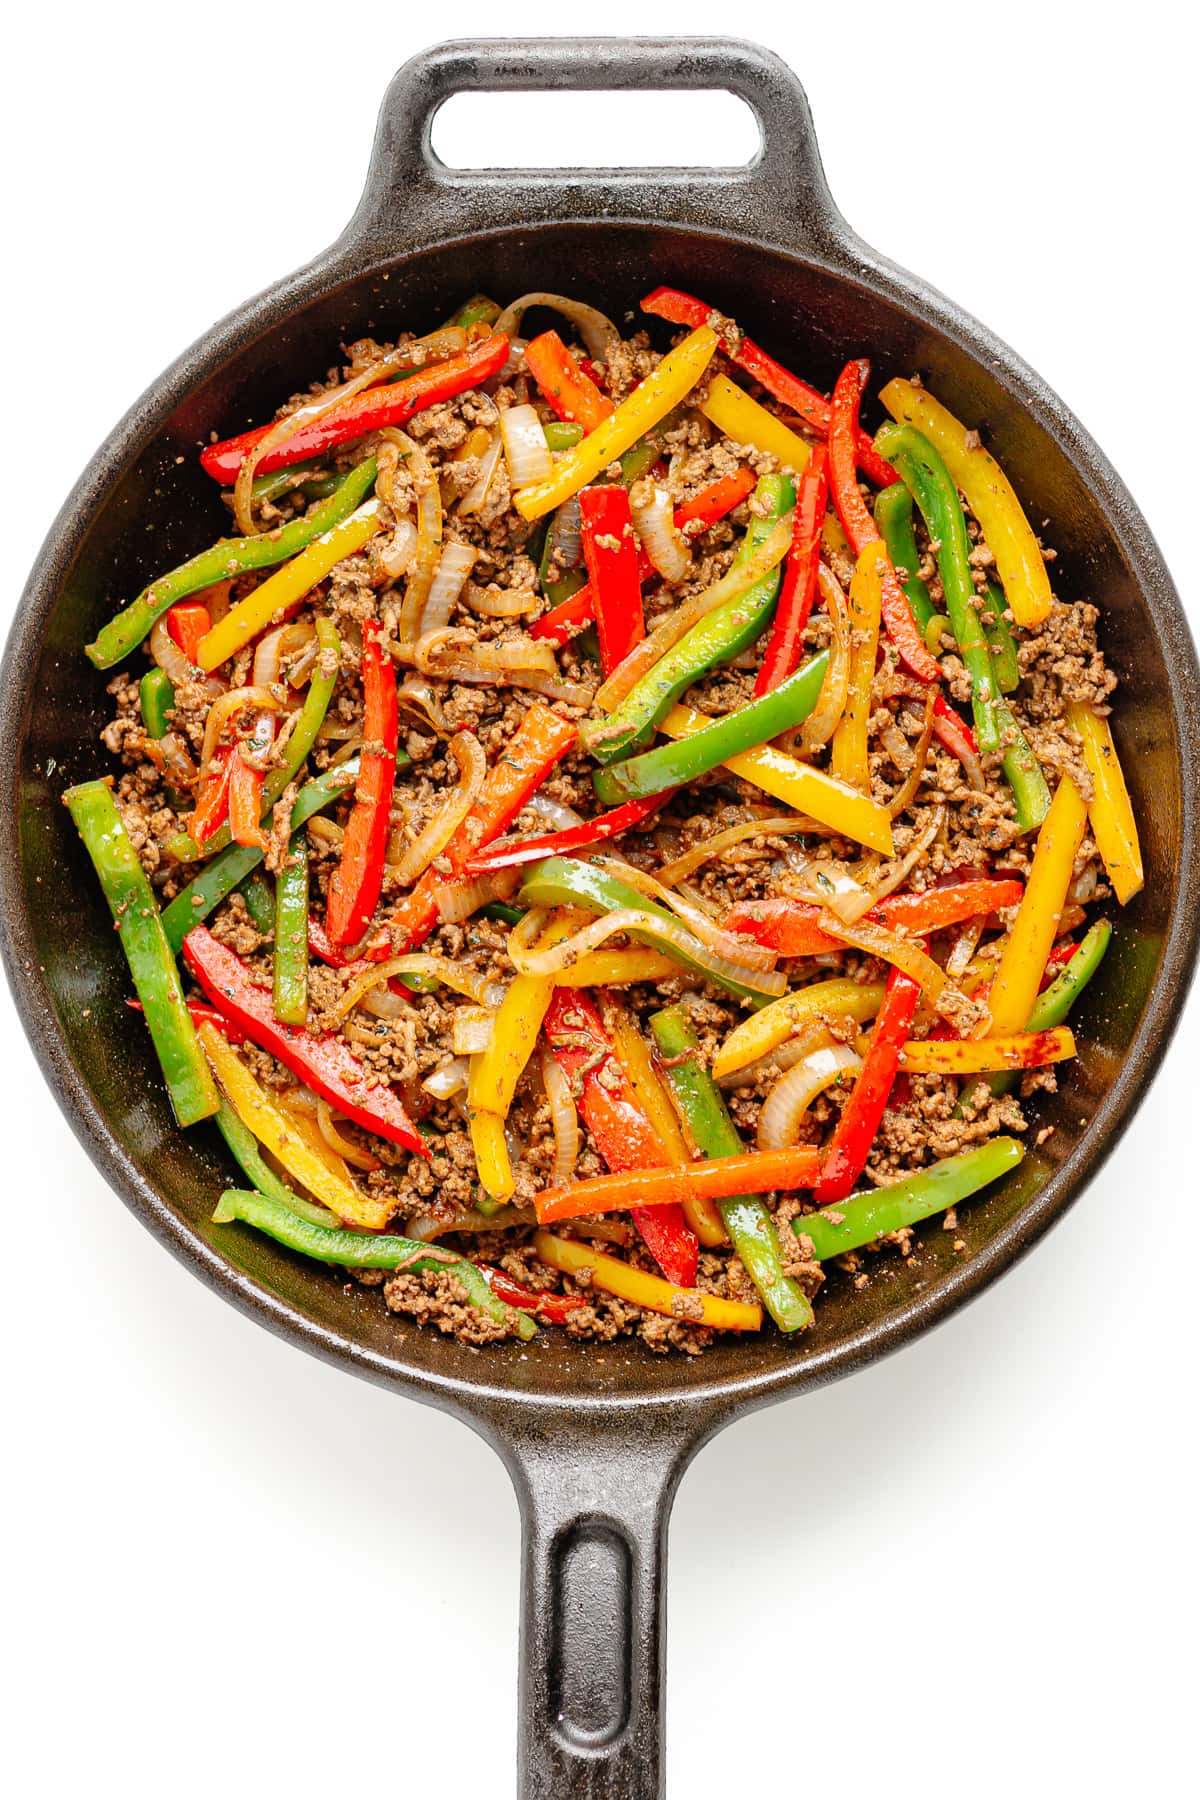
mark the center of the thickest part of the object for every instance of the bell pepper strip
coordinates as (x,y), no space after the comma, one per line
(848,758)
(610,553)
(259,902)
(1017,979)
(953,731)
(756,1037)
(359,1250)
(562,436)
(1109,811)
(619,1125)
(784,646)
(233,556)
(977,1056)
(719,1178)
(617,968)
(243,1146)
(290,961)
(287,587)
(493,1164)
(633,1054)
(550,1308)
(245,803)
(660,392)
(1001,642)
(156,696)
(794,929)
(1022,771)
(542,739)
(187,622)
(355,883)
(894,517)
(865,1217)
(741,418)
(212,799)
(1053,1004)
(151,963)
(847,1152)
(796,395)
(324,1063)
(799,785)
(860,527)
(721,634)
(702,1108)
(567,389)
(610,1275)
(478,310)
(988,493)
(372,410)
(507,853)
(672,764)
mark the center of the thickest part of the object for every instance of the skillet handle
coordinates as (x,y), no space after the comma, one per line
(595,1502)
(411,198)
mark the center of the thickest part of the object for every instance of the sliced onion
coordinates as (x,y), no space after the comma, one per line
(454,565)
(829,883)
(397,555)
(823,720)
(892,874)
(475,497)
(471,1029)
(467,752)
(457,900)
(692,859)
(503,603)
(525,448)
(172,757)
(730,944)
(568,534)
(350,748)
(324,830)
(456,655)
(962,952)
(664,933)
(597,331)
(654,522)
(226,707)
(455,975)
(274,645)
(897,746)
(426,1227)
(563,1117)
(563,818)
(429,526)
(352,1153)
(906,793)
(784,1056)
(416,694)
(175,665)
(448,1079)
(571,693)
(382,1003)
(794,1093)
(903,954)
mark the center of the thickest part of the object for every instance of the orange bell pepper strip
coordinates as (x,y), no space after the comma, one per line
(850,1145)
(719,1178)
(355,883)
(792,927)
(212,801)
(571,393)
(245,804)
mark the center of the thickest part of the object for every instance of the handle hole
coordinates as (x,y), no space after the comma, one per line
(609,130)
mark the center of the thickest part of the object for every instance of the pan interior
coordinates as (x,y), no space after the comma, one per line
(150,514)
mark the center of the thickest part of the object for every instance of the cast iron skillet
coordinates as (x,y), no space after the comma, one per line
(595,1438)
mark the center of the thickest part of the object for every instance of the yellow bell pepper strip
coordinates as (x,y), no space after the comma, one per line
(661,391)
(262,1114)
(848,753)
(286,587)
(807,790)
(633,1054)
(243,1145)
(617,968)
(754,1171)
(989,494)
(147,950)
(1113,825)
(353,1250)
(775,1024)
(979,1056)
(493,1164)
(1055,1002)
(875,1213)
(733,411)
(1019,975)
(612,1276)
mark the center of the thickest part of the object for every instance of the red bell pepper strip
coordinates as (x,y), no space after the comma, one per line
(782,655)
(713,502)
(245,804)
(620,1127)
(542,739)
(510,851)
(325,1064)
(322,947)
(212,801)
(796,395)
(571,394)
(555,1309)
(355,883)
(610,552)
(953,731)
(860,526)
(850,1145)
(791,927)
(188,621)
(371,410)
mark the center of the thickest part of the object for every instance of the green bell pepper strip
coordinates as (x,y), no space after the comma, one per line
(502,912)
(564,881)
(260,902)
(234,556)
(562,435)
(1001,641)
(722,635)
(894,517)
(1022,771)
(156,695)
(1053,1005)
(679,761)
(279,481)
(151,962)
(864,1217)
(304,736)
(243,1146)
(365,1250)
(478,310)
(290,974)
(701,1105)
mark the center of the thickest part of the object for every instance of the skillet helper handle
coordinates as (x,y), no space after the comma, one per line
(594,1512)
(411,197)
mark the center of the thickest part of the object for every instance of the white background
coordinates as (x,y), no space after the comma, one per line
(231,1570)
